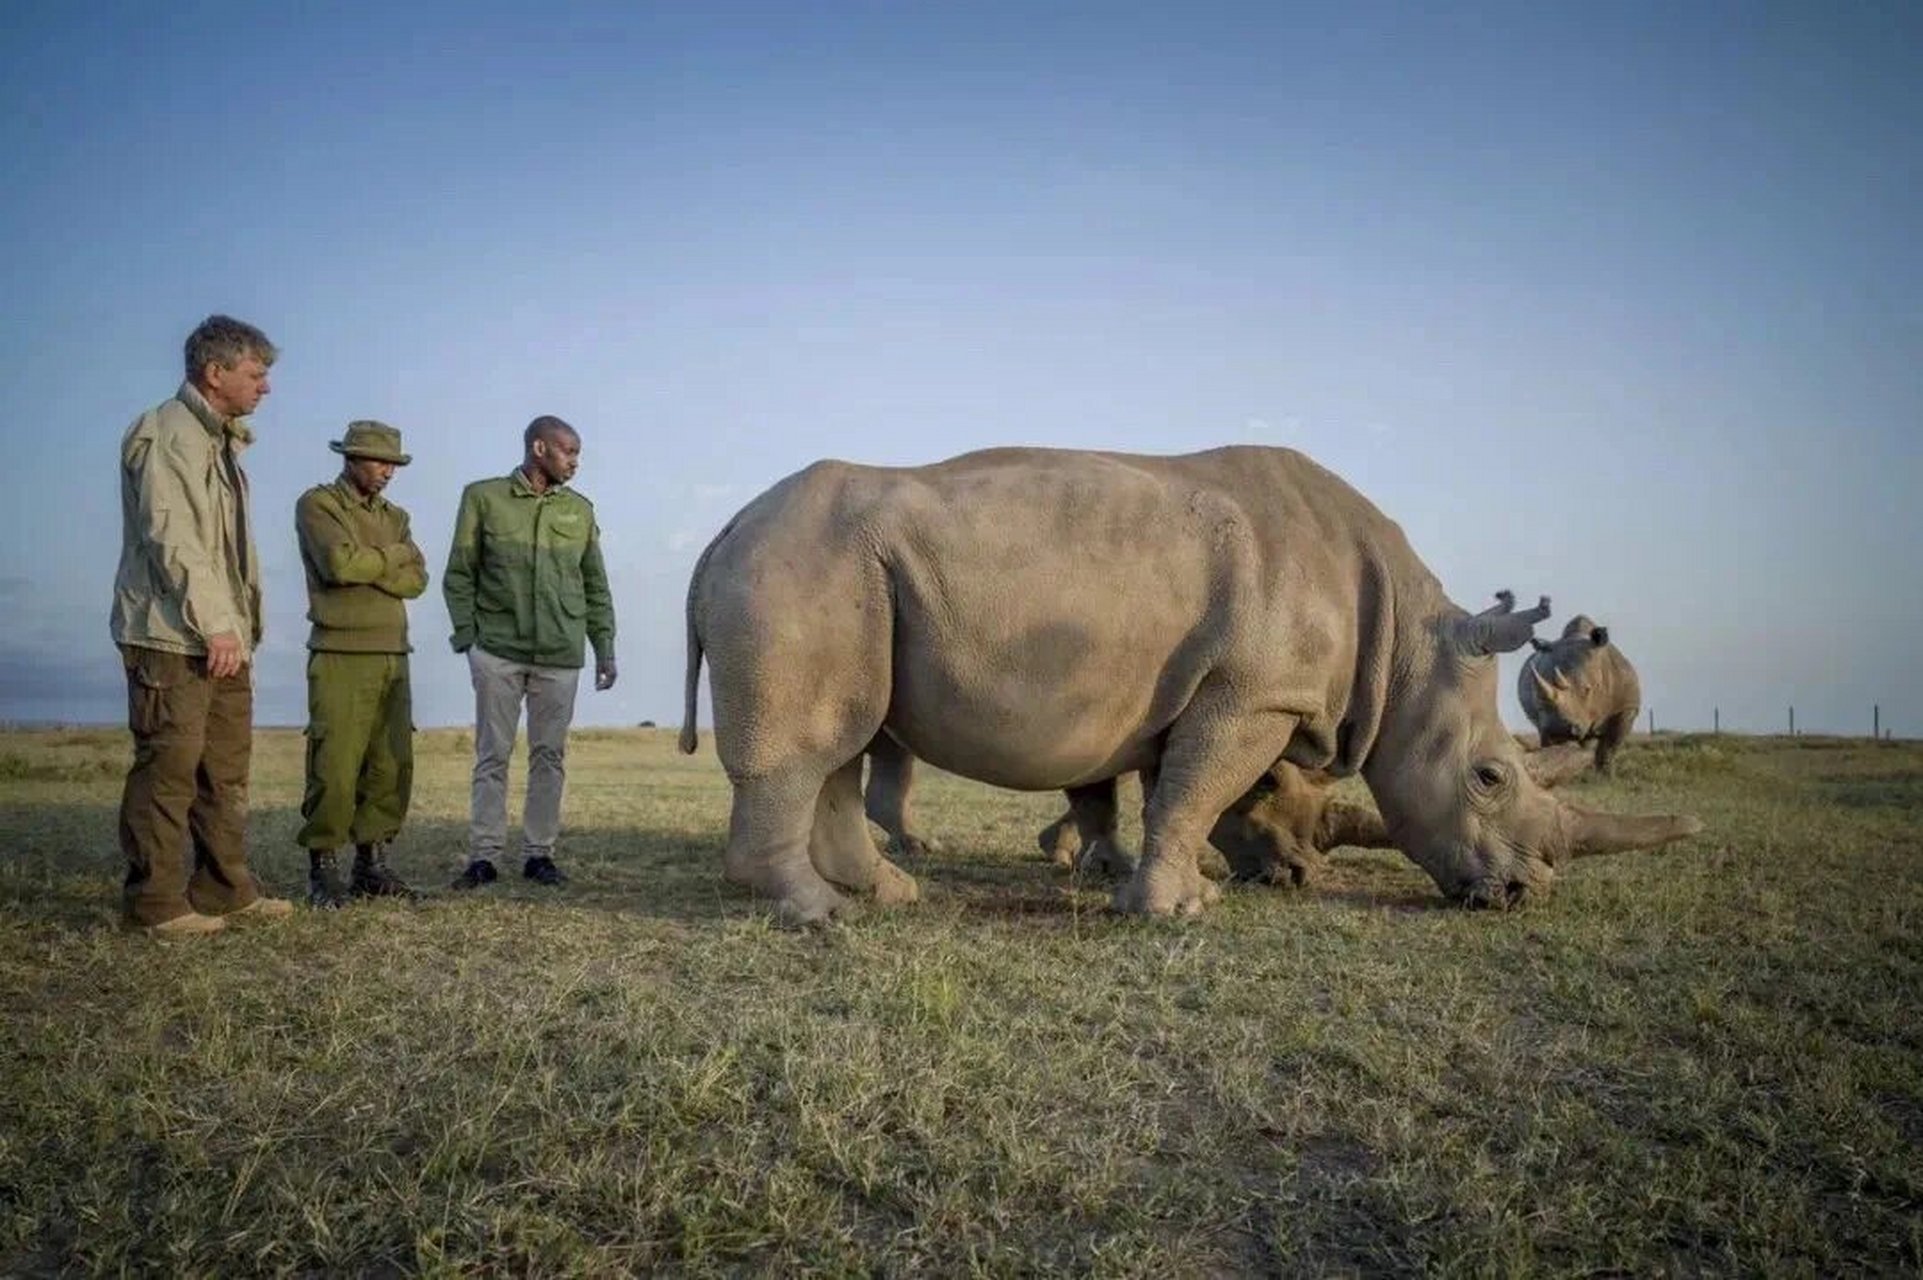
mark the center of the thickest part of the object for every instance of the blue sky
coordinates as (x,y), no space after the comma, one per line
(1622,303)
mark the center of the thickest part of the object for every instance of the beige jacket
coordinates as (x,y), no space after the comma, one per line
(188,567)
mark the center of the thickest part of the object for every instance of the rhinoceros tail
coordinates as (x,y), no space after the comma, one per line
(690,739)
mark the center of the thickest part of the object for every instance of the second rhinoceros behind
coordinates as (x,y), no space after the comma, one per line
(1045,619)
(1580,689)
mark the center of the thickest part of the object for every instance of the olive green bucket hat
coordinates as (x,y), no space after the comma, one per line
(370,439)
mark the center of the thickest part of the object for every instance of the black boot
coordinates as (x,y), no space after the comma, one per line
(373,878)
(325,891)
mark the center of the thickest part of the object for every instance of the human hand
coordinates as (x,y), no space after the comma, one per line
(604,674)
(224,656)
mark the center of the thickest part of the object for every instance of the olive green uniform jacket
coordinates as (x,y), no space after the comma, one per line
(525,580)
(362,568)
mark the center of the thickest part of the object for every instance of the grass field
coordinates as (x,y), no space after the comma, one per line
(1703,1060)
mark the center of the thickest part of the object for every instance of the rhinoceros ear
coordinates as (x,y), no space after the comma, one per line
(1599,637)
(1490,632)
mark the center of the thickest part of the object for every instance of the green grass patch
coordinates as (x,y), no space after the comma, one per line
(1699,1060)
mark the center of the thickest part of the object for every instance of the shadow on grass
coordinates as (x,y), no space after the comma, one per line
(63,870)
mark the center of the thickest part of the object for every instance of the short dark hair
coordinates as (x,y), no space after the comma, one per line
(225,341)
(546,427)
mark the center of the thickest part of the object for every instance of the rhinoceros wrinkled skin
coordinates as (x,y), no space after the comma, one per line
(1580,688)
(1048,619)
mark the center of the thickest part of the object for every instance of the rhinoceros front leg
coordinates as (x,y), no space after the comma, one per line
(1611,736)
(841,848)
(891,783)
(1214,755)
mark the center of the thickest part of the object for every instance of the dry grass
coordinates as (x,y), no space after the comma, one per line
(1704,1060)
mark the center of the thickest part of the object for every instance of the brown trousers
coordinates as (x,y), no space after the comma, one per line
(193,743)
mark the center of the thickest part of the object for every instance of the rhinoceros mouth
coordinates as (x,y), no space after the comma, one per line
(1497,895)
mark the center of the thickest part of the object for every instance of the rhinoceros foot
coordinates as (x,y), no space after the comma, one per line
(1162,888)
(915,848)
(893,886)
(810,904)
(1060,841)
(1108,859)
(1298,870)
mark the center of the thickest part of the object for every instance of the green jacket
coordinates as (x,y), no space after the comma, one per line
(188,567)
(362,565)
(525,579)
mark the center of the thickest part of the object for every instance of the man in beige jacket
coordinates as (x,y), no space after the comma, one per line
(187,617)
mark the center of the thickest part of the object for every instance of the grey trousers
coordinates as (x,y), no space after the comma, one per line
(500,686)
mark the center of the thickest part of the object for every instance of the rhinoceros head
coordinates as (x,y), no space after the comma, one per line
(1455,789)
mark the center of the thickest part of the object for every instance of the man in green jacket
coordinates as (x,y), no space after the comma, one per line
(362,568)
(187,618)
(527,593)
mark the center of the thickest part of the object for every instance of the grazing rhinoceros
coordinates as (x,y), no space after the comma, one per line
(1276,833)
(1044,620)
(1580,689)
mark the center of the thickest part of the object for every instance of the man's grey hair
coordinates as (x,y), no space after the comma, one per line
(225,341)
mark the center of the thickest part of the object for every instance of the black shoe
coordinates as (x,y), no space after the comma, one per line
(477,873)
(543,871)
(325,892)
(373,878)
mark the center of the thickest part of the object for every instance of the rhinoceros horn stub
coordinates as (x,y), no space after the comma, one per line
(1592,833)
(1499,632)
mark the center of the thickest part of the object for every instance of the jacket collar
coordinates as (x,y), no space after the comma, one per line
(517,480)
(216,425)
(354,497)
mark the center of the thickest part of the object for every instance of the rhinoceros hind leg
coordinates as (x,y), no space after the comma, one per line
(768,837)
(840,847)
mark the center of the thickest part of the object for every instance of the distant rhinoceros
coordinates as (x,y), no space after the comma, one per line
(1046,619)
(1580,689)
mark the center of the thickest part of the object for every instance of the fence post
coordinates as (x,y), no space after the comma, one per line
(1717,712)
(1876,720)
(1792,722)
(1652,722)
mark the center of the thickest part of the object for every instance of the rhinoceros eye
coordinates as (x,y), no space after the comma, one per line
(1489,777)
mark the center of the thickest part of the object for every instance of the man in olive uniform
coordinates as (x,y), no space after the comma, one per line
(187,618)
(527,592)
(362,568)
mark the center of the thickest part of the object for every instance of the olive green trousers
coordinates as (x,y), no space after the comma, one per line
(360,749)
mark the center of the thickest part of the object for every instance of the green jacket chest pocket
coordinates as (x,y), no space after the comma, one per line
(565,531)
